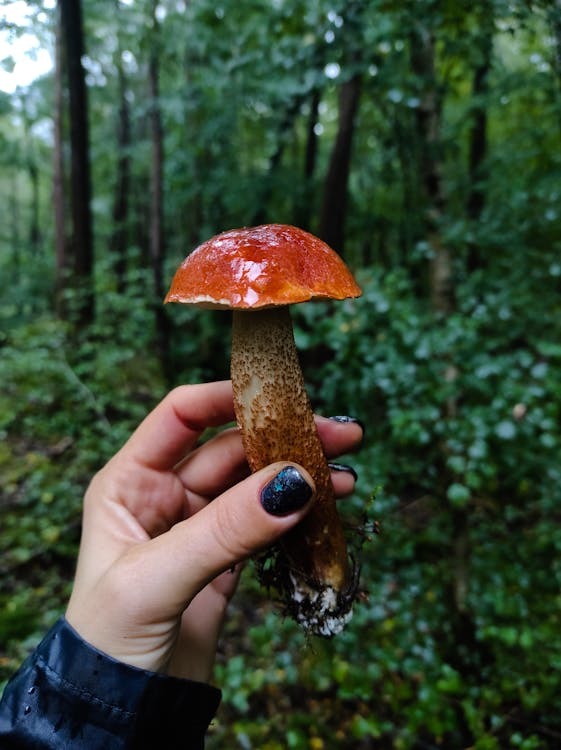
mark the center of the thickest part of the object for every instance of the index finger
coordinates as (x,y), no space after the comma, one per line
(174,426)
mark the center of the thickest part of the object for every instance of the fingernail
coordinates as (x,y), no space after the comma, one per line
(286,493)
(344,467)
(343,419)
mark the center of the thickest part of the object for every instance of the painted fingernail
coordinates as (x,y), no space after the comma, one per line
(343,419)
(286,493)
(345,468)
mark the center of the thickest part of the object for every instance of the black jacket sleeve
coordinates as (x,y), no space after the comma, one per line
(69,695)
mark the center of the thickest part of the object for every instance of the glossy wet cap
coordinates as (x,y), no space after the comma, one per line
(264,266)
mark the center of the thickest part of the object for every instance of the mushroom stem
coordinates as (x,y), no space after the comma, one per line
(310,566)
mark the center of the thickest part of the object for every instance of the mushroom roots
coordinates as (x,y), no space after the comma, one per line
(310,566)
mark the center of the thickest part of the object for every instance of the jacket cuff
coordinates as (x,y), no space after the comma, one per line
(75,689)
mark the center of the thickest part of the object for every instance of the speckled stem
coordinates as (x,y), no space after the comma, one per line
(311,567)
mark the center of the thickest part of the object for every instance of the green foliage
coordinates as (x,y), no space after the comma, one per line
(445,646)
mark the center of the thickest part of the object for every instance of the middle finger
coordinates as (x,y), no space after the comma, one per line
(220,462)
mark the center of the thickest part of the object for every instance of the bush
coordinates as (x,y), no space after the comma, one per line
(461,587)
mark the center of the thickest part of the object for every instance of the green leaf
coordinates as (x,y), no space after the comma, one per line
(458,494)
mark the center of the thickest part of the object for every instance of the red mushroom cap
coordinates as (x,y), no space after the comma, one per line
(264,266)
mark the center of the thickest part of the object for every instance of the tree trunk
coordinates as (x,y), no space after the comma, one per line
(554,16)
(303,209)
(34,227)
(430,168)
(478,134)
(157,237)
(334,205)
(120,234)
(34,233)
(442,295)
(61,255)
(411,221)
(82,237)
(15,234)
(312,136)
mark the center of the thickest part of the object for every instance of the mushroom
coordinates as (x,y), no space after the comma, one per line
(258,272)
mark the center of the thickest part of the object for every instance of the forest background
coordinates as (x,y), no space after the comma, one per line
(422,140)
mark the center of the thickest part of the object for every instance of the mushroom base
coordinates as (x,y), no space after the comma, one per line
(319,612)
(318,608)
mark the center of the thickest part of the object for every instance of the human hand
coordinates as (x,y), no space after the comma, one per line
(158,560)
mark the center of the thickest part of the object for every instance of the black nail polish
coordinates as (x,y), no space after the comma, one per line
(286,493)
(343,419)
(343,467)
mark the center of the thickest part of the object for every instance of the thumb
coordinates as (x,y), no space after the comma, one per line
(244,519)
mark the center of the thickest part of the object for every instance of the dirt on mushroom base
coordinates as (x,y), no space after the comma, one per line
(320,611)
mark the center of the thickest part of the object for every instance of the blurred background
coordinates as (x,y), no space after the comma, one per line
(422,140)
